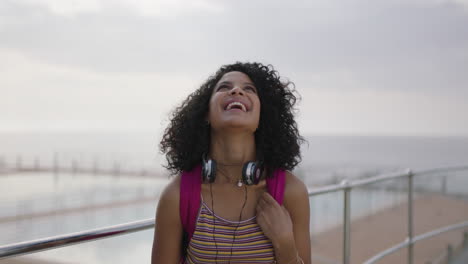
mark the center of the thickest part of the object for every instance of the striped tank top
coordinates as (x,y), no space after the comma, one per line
(250,245)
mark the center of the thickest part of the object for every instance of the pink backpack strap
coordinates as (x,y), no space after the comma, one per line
(276,185)
(190,188)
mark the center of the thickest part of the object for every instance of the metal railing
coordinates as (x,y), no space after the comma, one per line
(345,186)
(74,166)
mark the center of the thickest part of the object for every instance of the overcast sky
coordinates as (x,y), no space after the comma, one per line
(373,67)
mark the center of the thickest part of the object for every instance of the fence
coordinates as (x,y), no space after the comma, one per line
(346,187)
(74,165)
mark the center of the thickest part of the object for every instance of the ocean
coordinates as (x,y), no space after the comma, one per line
(323,158)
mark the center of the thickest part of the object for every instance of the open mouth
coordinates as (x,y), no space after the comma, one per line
(236,105)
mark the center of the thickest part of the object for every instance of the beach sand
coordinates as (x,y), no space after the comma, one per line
(375,233)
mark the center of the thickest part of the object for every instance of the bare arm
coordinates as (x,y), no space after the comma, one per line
(287,226)
(296,201)
(168,230)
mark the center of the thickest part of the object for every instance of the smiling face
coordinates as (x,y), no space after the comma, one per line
(234,103)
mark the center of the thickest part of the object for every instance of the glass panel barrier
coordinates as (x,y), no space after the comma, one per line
(379,213)
(326,226)
(129,248)
(442,201)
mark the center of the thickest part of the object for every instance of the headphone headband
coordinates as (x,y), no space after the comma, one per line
(251,171)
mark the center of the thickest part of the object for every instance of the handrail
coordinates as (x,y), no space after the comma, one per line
(418,238)
(357,183)
(42,244)
(440,169)
(387,251)
(440,231)
(99,233)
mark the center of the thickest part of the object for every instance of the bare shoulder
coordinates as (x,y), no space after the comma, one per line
(168,229)
(296,197)
(295,190)
(296,202)
(171,193)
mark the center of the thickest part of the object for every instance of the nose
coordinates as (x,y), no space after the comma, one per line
(236,90)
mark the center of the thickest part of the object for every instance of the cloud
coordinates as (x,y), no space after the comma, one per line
(172,8)
(386,112)
(161,8)
(65,8)
(319,37)
(415,47)
(363,36)
(387,44)
(40,96)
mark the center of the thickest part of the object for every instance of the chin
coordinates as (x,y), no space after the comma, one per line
(237,126)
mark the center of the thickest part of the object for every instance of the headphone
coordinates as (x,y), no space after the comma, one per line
(251,174)
(251,171)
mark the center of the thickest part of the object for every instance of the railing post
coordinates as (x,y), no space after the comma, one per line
(95,166)
(465,240)
(449,253)
(346,222)
(116,171)
(444,185)
(410,216)
(19,163)
(36,163)
(55,165)
(2,162)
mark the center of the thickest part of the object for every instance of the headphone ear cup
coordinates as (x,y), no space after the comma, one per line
(257,172)
(251,173)
(245,174)
(212,177)
(208,170)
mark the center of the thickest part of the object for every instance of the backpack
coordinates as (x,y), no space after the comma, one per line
(190,189)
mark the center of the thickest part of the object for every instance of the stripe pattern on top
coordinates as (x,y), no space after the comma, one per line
(250,245)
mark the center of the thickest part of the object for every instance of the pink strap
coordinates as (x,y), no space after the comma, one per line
(190,188)
(276,185)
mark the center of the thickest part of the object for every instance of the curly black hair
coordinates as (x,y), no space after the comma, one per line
(277,138)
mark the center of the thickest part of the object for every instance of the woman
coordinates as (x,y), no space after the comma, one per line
(233,139)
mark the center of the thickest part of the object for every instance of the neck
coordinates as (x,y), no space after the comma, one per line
(231,151)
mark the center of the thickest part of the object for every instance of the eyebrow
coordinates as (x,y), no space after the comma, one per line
(228,82)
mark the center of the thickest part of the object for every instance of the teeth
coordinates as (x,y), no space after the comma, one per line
(229,107)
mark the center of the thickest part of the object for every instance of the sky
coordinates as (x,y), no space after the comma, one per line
(363,67)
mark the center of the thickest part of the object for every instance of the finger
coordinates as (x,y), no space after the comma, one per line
(269,199)
(258,209)
(261,217)
(260,220)
(262,201)
(285,211)
(260,206)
